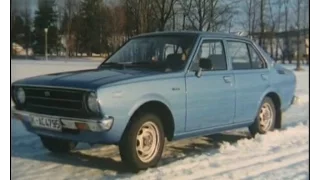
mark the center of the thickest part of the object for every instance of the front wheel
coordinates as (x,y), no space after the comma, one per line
(142,144)
(265,120)
(57,145)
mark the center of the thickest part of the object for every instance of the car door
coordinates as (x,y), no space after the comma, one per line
(210,97)
(251,78)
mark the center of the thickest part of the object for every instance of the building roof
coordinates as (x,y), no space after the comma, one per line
(291,33)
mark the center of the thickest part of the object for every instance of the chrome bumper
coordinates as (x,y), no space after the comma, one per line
(295,100)
(104,124)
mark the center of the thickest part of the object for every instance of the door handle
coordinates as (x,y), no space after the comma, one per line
(264,76)
(227,79)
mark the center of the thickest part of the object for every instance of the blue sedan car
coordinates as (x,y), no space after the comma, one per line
(157,86)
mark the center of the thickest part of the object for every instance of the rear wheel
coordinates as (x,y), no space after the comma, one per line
(142,144)
(265,120)
(57,145)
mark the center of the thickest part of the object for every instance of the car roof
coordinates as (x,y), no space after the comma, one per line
(194,33)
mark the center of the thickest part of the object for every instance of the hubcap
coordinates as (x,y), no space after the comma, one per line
(148,141)
(266,117)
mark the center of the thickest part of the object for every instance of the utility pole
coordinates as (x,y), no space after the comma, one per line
(46,42)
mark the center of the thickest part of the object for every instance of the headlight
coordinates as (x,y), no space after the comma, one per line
(93,103)
(20,96)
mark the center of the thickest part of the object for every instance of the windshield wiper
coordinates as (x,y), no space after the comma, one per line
(142,63)
(113,64)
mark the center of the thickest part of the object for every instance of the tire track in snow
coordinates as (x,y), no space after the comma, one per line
(301,176)
(202,173)
(239,151)
(264,167)
(290,172)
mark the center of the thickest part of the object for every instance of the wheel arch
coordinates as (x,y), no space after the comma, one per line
(277,103)
(161,109)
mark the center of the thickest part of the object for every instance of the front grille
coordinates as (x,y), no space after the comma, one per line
(54,98)
(54,103)
(57,102)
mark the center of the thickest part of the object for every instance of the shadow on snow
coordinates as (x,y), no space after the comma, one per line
(106,158)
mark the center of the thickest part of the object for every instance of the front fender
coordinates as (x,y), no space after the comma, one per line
(121,103)
(147,98)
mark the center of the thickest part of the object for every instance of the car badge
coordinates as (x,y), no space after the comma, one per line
(47,93)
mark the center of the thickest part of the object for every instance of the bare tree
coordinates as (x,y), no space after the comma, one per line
(76,37)
(163,11)
(305,25)
(140,16)
(71,7)
(186,8)
(298,68)
(206,15)
(26,16)
(116,26)
(286,51)
(262,23)
(250,19)
(229,26)
(278,23)
(14,13)
(272,28)
(174,13)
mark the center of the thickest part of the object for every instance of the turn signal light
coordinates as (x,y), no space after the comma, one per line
(82,126)
(17,117)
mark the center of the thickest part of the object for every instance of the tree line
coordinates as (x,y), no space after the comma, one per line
(87,27)
(266,18)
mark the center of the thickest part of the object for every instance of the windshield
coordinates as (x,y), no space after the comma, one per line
(165,53)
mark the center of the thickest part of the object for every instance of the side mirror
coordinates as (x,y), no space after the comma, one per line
(199,72)
(203,64)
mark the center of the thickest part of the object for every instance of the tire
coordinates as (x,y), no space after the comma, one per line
(57,145)
(264,124)
(144,128)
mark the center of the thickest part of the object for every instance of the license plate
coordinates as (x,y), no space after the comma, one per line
(46,122)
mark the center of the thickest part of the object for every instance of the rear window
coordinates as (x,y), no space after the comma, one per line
(266,55)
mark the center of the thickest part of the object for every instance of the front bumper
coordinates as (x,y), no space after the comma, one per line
(98,131)
(104,124)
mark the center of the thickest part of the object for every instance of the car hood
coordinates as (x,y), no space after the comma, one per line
(84,79)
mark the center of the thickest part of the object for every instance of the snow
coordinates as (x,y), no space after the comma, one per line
(232,155)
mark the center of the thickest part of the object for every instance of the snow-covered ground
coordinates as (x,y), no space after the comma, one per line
(232,155)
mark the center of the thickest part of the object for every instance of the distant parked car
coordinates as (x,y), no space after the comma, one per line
(169,85)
